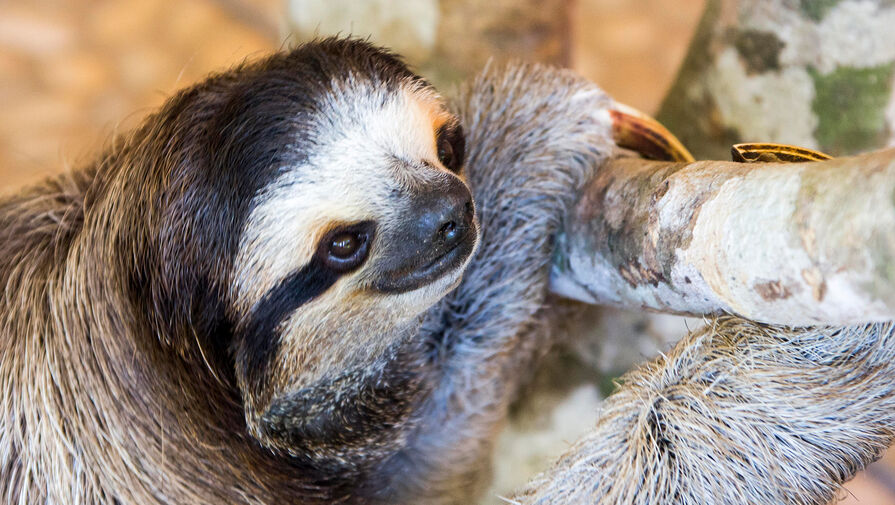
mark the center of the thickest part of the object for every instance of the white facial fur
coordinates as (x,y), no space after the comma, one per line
(370,147)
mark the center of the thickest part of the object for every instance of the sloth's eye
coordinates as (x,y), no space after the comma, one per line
(451,145)
(344,245)
(346,248)
(445,152)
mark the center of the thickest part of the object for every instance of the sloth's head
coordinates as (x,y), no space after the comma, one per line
(316,202)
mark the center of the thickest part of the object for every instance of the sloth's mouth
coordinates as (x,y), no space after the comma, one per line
(428,270)
(453,255)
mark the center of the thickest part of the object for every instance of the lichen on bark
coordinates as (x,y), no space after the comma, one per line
(817,9)
(850,106)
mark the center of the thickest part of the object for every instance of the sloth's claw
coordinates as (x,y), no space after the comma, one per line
(635,130)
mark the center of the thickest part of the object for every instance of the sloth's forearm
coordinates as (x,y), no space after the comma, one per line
(738,412)
(486,333)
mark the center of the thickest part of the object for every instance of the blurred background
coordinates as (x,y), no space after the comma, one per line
(76,72)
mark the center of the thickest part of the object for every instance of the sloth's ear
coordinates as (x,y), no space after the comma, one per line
(346,423)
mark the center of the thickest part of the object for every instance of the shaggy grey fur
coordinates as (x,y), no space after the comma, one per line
(534,136)
(737,413)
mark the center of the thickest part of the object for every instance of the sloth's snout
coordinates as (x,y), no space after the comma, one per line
(438,234)
(446,218)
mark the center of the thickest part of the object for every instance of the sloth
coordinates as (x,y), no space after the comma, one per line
(309,279)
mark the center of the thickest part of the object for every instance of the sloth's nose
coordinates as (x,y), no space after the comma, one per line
(437,236)
(446,217)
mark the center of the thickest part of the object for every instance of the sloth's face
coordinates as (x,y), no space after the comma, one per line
(373,227)
(379,209)
(311,207)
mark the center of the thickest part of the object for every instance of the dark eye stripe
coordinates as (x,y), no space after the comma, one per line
(260,341)
(259,338)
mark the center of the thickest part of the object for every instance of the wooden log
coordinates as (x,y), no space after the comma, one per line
(782,243)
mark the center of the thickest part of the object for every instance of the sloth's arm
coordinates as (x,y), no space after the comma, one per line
(534,138)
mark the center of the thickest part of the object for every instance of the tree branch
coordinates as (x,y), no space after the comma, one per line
(782,243)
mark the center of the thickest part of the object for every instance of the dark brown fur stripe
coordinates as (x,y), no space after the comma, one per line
(258,342)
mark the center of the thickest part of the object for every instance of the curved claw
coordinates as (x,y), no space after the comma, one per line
(635,130)
(770,152)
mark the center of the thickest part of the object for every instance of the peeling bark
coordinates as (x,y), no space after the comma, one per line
(796,244)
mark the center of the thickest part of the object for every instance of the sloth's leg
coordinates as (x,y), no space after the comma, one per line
(535,135)
(738,412)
